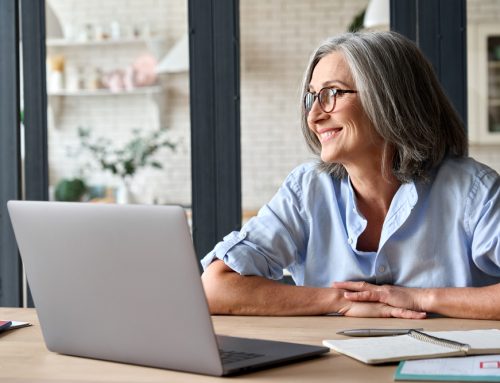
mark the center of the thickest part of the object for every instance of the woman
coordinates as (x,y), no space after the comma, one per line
(393,202)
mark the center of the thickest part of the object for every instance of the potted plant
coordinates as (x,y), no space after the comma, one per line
(124,161)
(70,189)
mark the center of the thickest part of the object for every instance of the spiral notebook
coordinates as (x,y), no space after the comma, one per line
(418,345)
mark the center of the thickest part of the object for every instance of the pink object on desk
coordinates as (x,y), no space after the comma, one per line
(4,325)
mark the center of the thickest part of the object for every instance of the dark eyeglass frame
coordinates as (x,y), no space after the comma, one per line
(308,102)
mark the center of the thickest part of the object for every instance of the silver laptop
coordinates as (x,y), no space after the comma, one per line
(121,283)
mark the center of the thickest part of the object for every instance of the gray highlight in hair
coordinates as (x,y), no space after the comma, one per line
(403,99)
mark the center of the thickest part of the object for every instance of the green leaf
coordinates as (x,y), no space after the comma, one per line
(156,165)
(70,189)
(357,22)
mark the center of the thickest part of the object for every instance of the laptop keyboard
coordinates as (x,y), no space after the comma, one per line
(236,356)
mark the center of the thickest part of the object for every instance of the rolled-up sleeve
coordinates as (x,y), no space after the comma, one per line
(483,210)
(270,242)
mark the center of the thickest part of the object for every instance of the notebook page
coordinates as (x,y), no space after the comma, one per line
(391,348)
(477,339)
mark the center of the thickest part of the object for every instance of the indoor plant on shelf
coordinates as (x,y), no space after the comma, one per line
(125,161)
(70,190)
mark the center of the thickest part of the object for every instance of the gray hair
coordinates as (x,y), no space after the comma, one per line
(402,98)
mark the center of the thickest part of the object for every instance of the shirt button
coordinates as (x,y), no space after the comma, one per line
(381,269)
(350,241)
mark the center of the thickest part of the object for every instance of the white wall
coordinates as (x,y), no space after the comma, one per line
(277,38)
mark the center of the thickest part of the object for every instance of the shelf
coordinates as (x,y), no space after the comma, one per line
(57,99)
(155,93)
(107,42)
(147,90)
(494,102)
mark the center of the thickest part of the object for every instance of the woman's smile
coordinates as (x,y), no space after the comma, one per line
(326,135)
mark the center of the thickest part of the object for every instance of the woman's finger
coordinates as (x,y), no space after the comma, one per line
(366,296)
(354,286)
(407,314)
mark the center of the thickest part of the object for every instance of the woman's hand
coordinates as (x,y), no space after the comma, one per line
(457,302)
(378,310)
(395,297)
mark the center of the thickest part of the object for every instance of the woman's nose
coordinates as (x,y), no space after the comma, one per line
(316,113)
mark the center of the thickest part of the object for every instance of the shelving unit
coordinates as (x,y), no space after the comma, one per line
(156,93)
(154,44)
(494,84)
(484,84)
(146,90)
(121,41)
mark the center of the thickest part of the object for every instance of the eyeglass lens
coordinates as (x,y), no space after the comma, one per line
(308,101)
(326,97)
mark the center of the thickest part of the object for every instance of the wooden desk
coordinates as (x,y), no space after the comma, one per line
(24,358)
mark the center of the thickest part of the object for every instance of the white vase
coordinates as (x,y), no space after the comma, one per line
(124,193)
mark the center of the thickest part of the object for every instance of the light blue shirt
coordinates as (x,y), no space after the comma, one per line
(445,232)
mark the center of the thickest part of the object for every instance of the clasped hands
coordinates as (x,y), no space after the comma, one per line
(362,299)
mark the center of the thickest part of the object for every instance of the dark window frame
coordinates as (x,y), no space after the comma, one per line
(36,162)
(215,120)
(10,156)
(439,27)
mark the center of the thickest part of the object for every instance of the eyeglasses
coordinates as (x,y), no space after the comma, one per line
(327,98)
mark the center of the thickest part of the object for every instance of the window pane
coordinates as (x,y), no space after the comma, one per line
(483,62)
(112,116)
(277,38)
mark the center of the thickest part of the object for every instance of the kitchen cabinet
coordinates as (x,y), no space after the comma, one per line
(484,84)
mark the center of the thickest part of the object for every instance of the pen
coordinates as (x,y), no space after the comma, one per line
(377,331)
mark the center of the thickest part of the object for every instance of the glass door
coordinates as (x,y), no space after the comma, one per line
(483,77)
(277,38)
(118,101)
